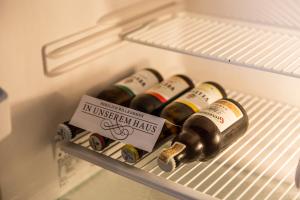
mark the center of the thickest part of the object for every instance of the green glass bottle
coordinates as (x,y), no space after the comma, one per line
(152,102)
(191,102)
(120,93)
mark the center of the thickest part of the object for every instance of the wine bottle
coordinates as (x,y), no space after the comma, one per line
(66,131)
(152,102)
(191,102)
(205,134)
(120,93)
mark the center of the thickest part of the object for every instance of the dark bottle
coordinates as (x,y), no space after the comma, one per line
(66,131)
(156,98)
(152,102)
(124,91)
(99,142)
(120,93)
(191,102)
(206,134)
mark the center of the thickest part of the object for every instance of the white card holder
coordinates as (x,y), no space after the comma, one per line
(5,120)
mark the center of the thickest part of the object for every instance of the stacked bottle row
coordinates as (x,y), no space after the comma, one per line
(120,93)
(200,120)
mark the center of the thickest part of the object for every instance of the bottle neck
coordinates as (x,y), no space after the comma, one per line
(190,154)
(181,158)
(179,153)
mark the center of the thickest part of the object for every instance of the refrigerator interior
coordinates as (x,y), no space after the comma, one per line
(249,47)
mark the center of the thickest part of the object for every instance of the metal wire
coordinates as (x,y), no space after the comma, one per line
(273,176)
(237,96)
(225,40)
(273,130)
(231,95)
(272,163)
(251,149)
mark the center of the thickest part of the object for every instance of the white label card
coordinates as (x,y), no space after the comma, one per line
(118,122)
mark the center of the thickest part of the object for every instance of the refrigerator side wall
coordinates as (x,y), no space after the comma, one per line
(38,103)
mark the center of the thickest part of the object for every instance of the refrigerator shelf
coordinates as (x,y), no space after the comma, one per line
(260,165)
(244,44)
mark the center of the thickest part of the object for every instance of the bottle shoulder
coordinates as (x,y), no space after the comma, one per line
(156,73)
(187,79)
(219,87)
(176,113)
(199,122)
(115,94)
(145,103)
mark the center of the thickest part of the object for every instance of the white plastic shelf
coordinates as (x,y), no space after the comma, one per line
(260,165)
(230,41)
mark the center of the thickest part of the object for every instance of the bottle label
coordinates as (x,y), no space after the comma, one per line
(201,97)
(169,88)
(138,82)
(223,113)
(118,122)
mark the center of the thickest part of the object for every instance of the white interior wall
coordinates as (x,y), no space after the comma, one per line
(38,103)
(271,12)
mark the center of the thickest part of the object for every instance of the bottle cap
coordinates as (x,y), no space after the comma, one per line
(97,142)
(166,160)
(64,132)
(168,166)
(130,153)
